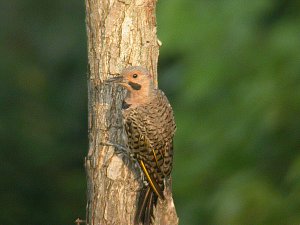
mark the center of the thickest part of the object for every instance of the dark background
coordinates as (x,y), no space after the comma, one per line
(231,70)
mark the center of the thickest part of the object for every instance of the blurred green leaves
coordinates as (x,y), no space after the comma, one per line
(42,112)
(237,107)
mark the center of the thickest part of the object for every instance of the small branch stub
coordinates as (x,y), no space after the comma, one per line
(79,221)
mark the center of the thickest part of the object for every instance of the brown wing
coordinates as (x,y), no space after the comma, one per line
(145,155)
(160,129)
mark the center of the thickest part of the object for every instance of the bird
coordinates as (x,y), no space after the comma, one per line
(150,128)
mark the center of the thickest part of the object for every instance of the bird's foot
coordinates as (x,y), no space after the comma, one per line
(119,149)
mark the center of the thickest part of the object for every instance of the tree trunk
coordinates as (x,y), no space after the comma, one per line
(120,33)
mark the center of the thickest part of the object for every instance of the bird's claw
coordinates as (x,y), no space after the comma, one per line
(119,149)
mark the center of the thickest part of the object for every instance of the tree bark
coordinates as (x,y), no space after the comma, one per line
(120,33)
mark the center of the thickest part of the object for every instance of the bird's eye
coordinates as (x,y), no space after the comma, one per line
(134,75)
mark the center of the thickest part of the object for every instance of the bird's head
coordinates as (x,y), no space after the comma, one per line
(138,81)
(134,79)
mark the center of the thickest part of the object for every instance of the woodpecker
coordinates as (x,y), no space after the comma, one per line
(150,127)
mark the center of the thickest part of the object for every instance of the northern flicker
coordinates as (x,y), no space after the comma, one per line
(150,128)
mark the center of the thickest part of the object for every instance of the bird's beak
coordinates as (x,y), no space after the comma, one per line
(118,80)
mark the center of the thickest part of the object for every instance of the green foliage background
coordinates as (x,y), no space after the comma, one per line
(231,70)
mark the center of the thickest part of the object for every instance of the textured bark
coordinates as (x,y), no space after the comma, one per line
(120,33)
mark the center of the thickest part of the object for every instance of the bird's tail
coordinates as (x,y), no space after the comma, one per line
(147,200)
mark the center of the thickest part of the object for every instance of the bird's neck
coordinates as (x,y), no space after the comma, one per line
(136,98)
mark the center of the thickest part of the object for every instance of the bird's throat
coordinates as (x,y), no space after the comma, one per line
(136,98)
